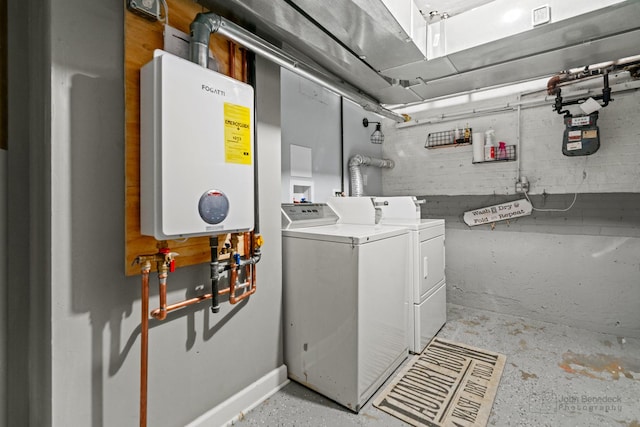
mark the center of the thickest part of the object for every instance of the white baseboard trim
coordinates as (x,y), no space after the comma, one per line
(233,409)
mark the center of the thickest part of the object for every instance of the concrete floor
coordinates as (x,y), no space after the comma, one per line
(551,374)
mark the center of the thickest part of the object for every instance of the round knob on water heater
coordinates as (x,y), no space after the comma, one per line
(213,206)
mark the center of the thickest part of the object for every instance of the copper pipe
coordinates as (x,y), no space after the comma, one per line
(155,313)
(552,83)
(232,59)
(144,342)
(247,251)
(253,275)
(162,293)
(253,253)
(233,277)
(161,312)
(169,308)
(234,300)
(250,272)
(243,53)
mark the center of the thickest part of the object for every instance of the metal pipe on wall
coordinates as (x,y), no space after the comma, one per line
(212,22)
(512,106)
(252,244)
(215,274)
(590,71)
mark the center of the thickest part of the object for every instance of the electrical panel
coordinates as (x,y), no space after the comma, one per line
(196,150)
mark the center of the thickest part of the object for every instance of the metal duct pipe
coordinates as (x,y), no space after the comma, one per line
(356,175)
(201,30)
(206,23)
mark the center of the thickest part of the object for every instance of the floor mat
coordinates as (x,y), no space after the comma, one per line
(449,384)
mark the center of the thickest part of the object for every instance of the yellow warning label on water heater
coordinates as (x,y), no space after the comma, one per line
(237,134)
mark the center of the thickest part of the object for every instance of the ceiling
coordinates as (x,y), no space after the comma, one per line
(450,7)
(364,45)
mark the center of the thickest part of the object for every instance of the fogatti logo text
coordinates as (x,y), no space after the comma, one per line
(213,90)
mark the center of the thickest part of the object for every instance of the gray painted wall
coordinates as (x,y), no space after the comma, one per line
(357,140)
(311,118)
(66,277)
(578,267)
(28,230)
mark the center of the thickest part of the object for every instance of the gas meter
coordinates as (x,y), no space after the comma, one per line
(581,135)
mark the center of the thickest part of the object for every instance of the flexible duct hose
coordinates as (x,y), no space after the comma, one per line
(356,176)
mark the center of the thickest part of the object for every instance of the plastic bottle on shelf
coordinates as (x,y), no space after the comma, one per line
(467,134)
(489,137)
(502,151)
(489,149)
(478,147)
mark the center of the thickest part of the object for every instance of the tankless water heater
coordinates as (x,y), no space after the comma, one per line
(196,150)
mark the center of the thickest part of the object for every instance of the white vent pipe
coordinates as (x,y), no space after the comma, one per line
(356,175)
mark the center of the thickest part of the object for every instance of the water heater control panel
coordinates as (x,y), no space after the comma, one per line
(196,150)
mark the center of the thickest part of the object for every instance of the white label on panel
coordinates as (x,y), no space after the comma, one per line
(574,146)
(580,121)
(574,135)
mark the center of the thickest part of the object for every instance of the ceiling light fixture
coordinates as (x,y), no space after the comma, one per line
(377,137)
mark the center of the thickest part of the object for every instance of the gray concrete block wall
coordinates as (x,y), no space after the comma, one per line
(449,171)
(580,267)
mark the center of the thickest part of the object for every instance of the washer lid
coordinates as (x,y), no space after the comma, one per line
(354,234)
(414,224)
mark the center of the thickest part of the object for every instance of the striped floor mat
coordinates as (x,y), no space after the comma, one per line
(449,384)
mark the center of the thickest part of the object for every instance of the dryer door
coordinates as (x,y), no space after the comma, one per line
(431,264)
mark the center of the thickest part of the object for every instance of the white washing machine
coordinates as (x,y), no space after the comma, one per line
(344,318)
(426,288)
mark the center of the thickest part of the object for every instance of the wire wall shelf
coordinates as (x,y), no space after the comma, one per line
(449,138)
(506,155)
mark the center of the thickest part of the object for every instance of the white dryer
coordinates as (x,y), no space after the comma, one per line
(426,294)
(344,320)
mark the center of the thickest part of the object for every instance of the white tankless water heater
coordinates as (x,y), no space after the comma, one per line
(196,150)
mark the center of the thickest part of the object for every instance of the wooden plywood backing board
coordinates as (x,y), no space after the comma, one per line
(142,37)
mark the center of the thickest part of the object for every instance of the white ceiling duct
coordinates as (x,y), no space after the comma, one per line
(371,46)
